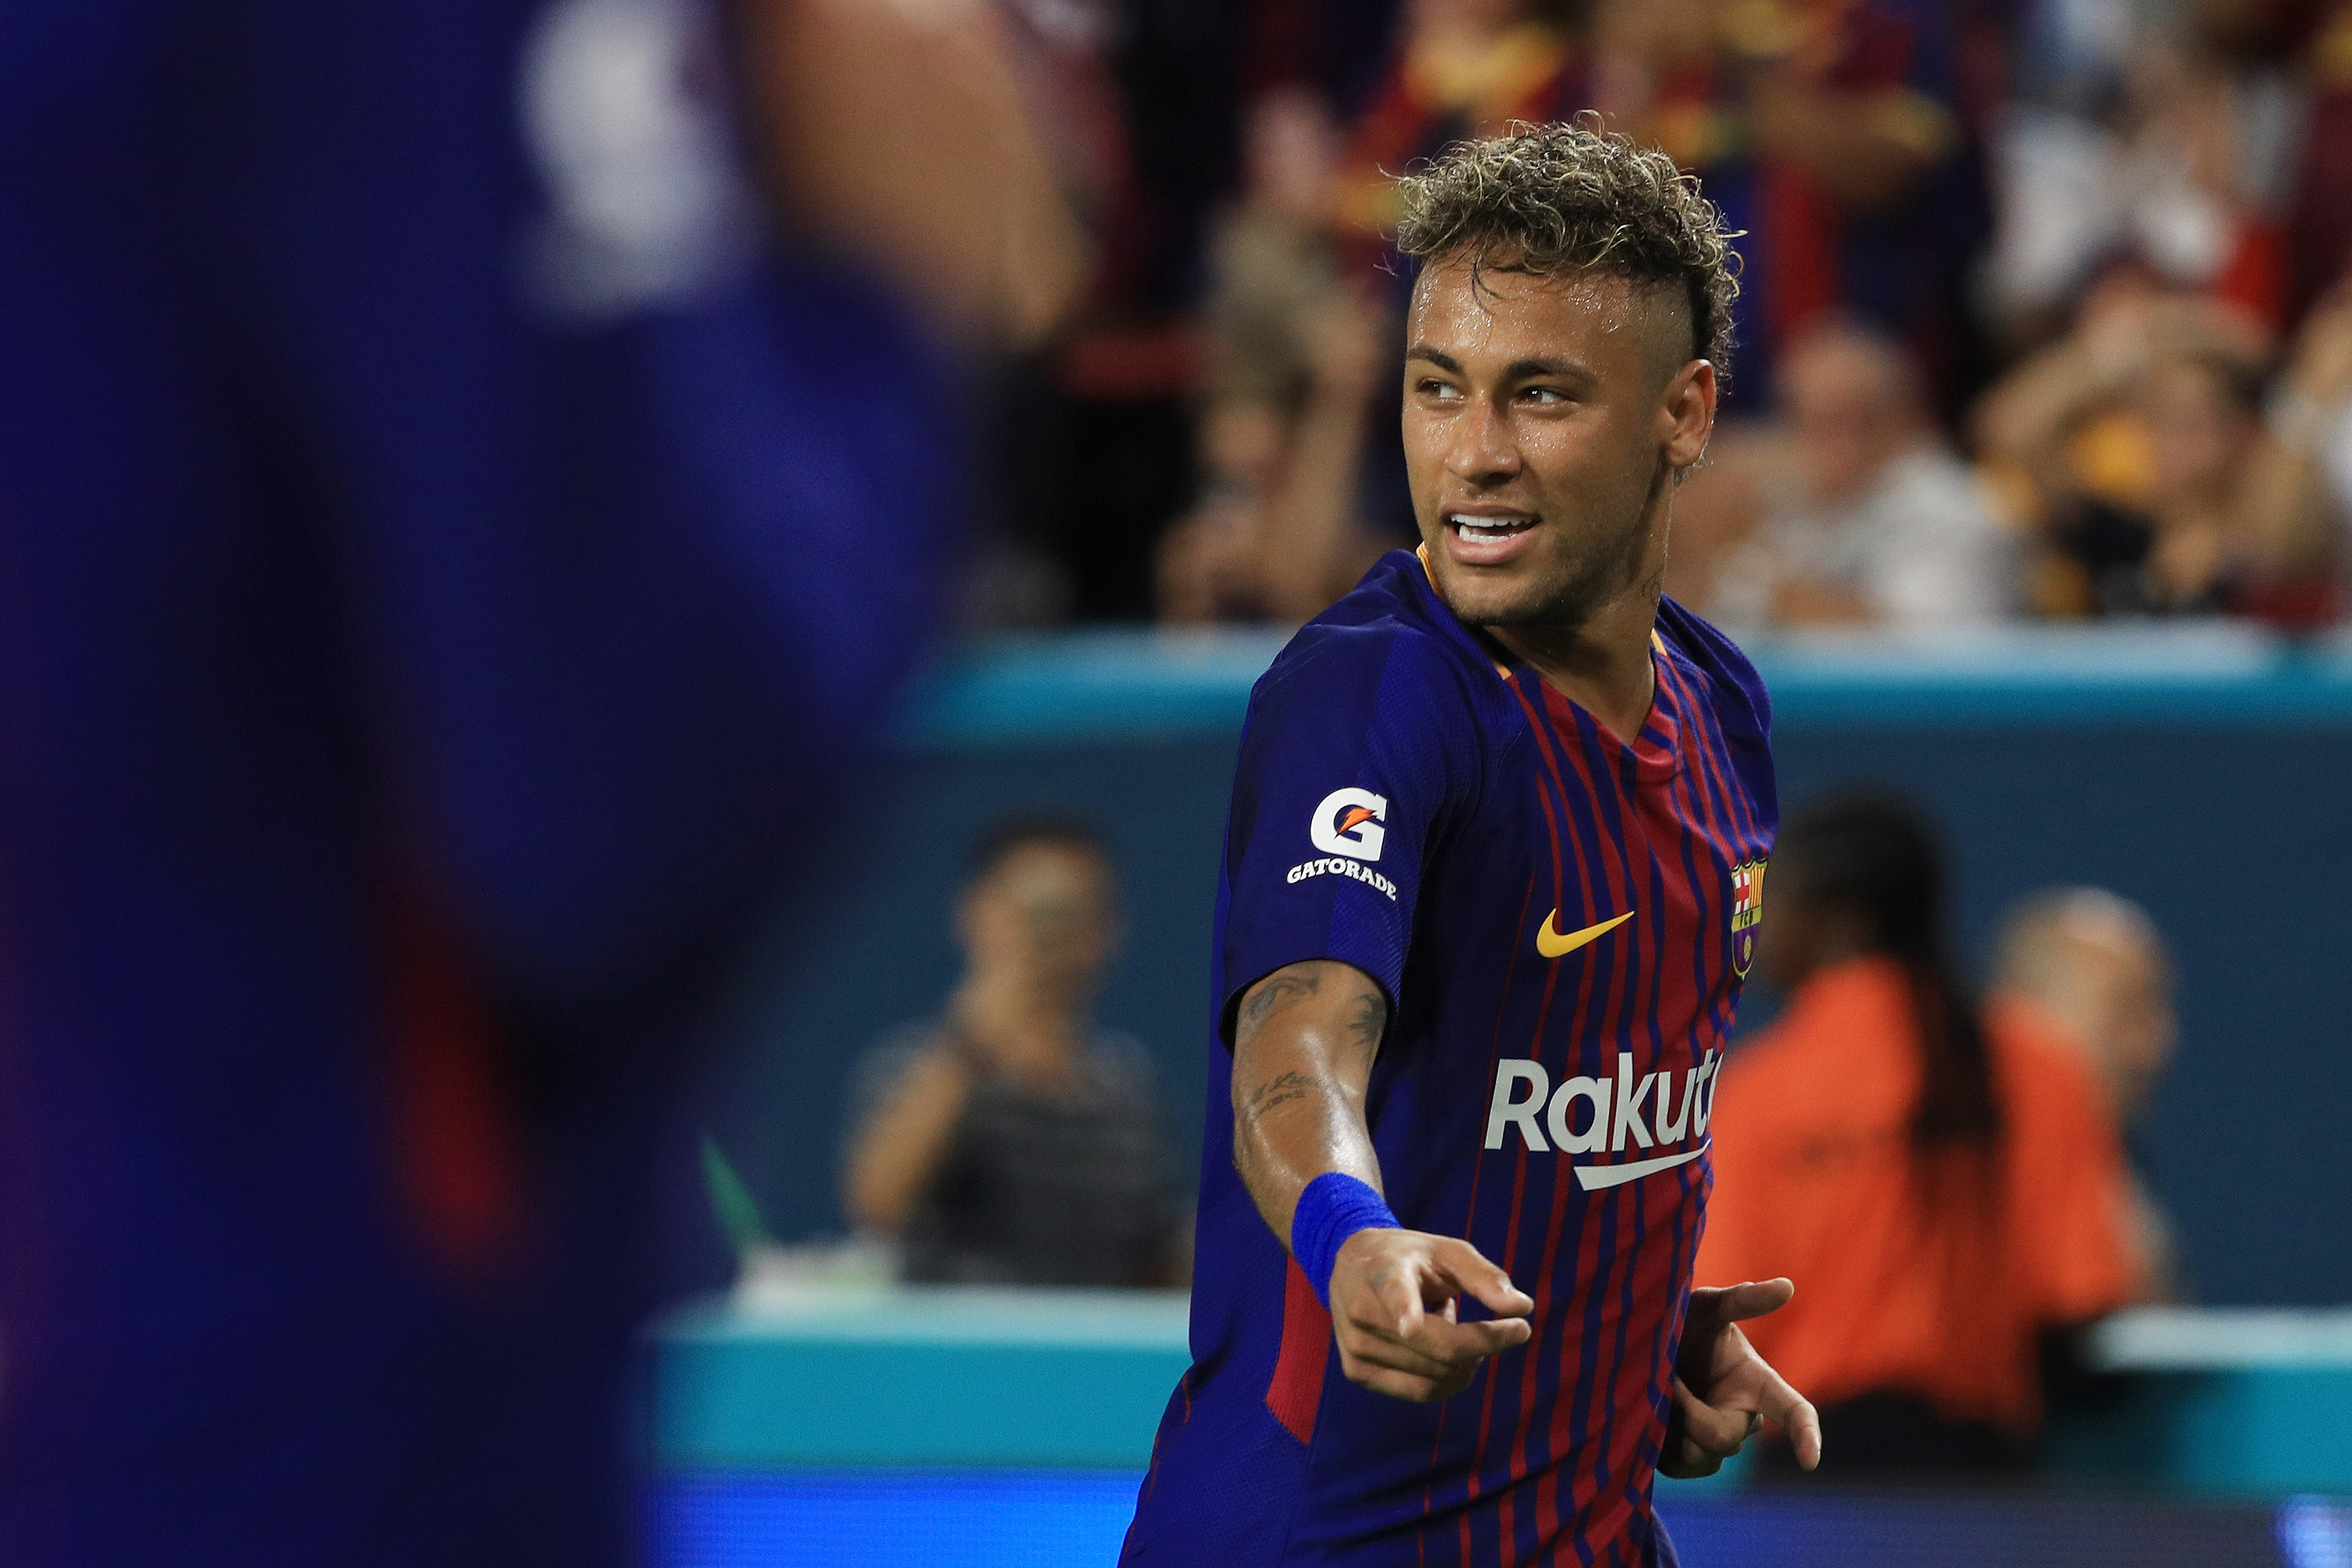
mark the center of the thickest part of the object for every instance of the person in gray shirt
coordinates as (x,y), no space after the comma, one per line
(1009,1140)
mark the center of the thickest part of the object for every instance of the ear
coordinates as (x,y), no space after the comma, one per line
(1687,411)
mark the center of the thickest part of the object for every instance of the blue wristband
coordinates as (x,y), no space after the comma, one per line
(1334,1207)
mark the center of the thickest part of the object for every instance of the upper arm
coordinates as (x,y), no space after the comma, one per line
(1331,1013)
(1354,759)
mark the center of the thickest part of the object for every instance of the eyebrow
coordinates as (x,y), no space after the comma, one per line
(1517,371)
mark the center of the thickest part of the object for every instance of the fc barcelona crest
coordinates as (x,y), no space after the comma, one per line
(1747,913)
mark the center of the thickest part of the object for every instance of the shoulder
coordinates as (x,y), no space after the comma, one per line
(1735,692)
(2047,1079)
(1842,1052)
(1730,678)
(1390,651)
(886,1063)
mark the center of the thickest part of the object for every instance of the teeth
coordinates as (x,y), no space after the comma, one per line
(1487,526)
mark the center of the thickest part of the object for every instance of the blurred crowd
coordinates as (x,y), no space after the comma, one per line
(2044,311)
(1952,1173)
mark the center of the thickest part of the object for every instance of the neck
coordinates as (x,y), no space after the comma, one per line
(1600,661)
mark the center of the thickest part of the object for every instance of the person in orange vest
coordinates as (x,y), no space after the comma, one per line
(1945,1186)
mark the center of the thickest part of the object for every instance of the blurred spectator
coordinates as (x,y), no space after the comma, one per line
(1945,1187)
(460,536)
(2089,969)
(2128,446)
(1867,517)
(2168,135)
(1010,1142)
(1460,68)
(1295,359)
(1090,440)
(1830,132)
(2319,221)
(2300,489)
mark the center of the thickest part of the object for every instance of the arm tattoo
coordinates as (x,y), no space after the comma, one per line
(1372,1017)
(1280,1090)
(1275,993)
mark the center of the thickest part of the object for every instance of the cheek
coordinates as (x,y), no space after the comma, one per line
(1596,468)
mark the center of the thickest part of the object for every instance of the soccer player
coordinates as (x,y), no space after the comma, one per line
(1491,879)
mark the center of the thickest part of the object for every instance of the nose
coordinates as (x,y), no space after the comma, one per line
(1484,454)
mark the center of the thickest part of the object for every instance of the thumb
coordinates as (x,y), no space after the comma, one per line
(1754,1299)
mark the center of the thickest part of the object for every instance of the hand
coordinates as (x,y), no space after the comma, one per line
(2321,368)
(1724,1391)
(1393,1312)
(899,132)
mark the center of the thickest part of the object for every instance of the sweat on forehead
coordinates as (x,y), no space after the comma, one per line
(1475,287)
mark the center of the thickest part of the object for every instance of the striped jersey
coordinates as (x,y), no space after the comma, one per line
(1562,922)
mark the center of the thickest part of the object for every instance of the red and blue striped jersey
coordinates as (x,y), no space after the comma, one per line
(1562,922)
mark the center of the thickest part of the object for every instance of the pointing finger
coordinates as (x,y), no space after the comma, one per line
(1464,1343)
(1482,1280)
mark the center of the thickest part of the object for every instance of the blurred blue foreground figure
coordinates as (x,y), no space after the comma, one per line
(449,549)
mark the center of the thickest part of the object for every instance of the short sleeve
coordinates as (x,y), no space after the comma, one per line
(1359,748)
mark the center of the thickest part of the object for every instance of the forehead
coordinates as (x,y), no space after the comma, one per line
(1046,863)
(1589,315)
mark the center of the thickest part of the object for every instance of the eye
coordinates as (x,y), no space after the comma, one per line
(1439,391)
(1544,396)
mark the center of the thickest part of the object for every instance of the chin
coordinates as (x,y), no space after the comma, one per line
(1490,599)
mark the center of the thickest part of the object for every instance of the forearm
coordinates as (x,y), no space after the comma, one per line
(2026,414)
(899,1148)
(1313,509)
(1303,1052)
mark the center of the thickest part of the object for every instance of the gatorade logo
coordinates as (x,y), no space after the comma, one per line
(1349,823)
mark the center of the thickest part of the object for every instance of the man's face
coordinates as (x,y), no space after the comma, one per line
(1850,415)
(1542,417)
(1047,913)
(2128,995)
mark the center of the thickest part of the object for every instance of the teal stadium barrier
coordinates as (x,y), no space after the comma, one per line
(983,1426)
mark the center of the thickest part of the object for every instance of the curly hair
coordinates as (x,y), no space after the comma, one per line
(1573,198)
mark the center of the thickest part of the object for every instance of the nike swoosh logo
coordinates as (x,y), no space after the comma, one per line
(1551,944)
(1592,1178)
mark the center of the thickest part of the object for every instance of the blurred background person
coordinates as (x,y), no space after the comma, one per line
(2127,446)
(1294,354)
(2088,969)
(460,530)
(1945,1186)
(1458,68)
(1010,1141)
(1860,514)
(2171,136)
(1834,134)
(2299,491)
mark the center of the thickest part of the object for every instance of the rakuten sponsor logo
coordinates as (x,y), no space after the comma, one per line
(1614,1113)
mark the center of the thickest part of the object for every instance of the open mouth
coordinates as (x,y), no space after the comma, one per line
(1486,539)
(1488,530)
